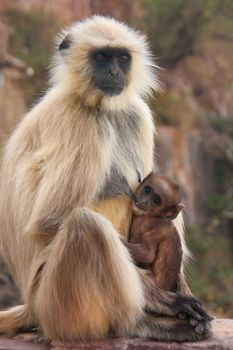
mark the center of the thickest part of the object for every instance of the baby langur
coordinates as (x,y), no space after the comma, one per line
(154,241)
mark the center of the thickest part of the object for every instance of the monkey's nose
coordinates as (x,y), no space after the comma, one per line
(113,73)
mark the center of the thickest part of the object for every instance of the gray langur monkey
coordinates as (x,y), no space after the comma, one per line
(61,221)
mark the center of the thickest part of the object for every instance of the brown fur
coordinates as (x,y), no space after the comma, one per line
(159,249)
(76,278)
(154,240)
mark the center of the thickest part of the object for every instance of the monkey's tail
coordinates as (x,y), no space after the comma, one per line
(15,318)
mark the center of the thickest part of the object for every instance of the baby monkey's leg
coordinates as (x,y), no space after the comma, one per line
(167,266)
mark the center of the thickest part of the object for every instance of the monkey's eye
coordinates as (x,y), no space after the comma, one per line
(100,57)
(147,189)
(157,200)
(123,58)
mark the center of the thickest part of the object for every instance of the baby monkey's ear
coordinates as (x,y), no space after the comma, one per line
(173,212)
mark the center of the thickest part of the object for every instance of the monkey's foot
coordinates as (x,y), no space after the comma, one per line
(171,329)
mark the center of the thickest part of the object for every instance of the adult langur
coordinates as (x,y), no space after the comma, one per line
(61,218)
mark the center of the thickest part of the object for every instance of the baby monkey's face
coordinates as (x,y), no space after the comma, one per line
(157,196)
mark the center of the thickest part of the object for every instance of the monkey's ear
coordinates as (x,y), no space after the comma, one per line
(64,45)
(172,213)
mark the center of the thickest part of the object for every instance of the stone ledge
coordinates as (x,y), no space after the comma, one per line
(222,340)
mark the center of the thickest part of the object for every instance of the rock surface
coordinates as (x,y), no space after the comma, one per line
(222,340)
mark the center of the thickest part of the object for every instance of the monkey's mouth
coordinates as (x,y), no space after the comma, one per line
(138,210)
(142,205)
(112,90)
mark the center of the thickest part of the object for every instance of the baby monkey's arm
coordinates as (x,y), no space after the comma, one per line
(142,253)
(140,244)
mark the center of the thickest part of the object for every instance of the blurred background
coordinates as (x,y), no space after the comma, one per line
(192,43)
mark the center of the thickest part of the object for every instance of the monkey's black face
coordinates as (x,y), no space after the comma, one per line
(110,69)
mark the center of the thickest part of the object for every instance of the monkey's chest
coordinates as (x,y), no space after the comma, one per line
(127,167)
(117,210)
(113,201)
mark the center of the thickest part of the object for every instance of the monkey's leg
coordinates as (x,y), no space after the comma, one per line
(163,302)
(182,288)
(182,285)
(167,266)
(88,283)
(15,318)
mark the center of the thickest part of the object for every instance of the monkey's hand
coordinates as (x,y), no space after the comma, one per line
(171,304)
(187,306)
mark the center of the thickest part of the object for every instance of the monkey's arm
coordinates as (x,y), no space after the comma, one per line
(142,253)
(143,241)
